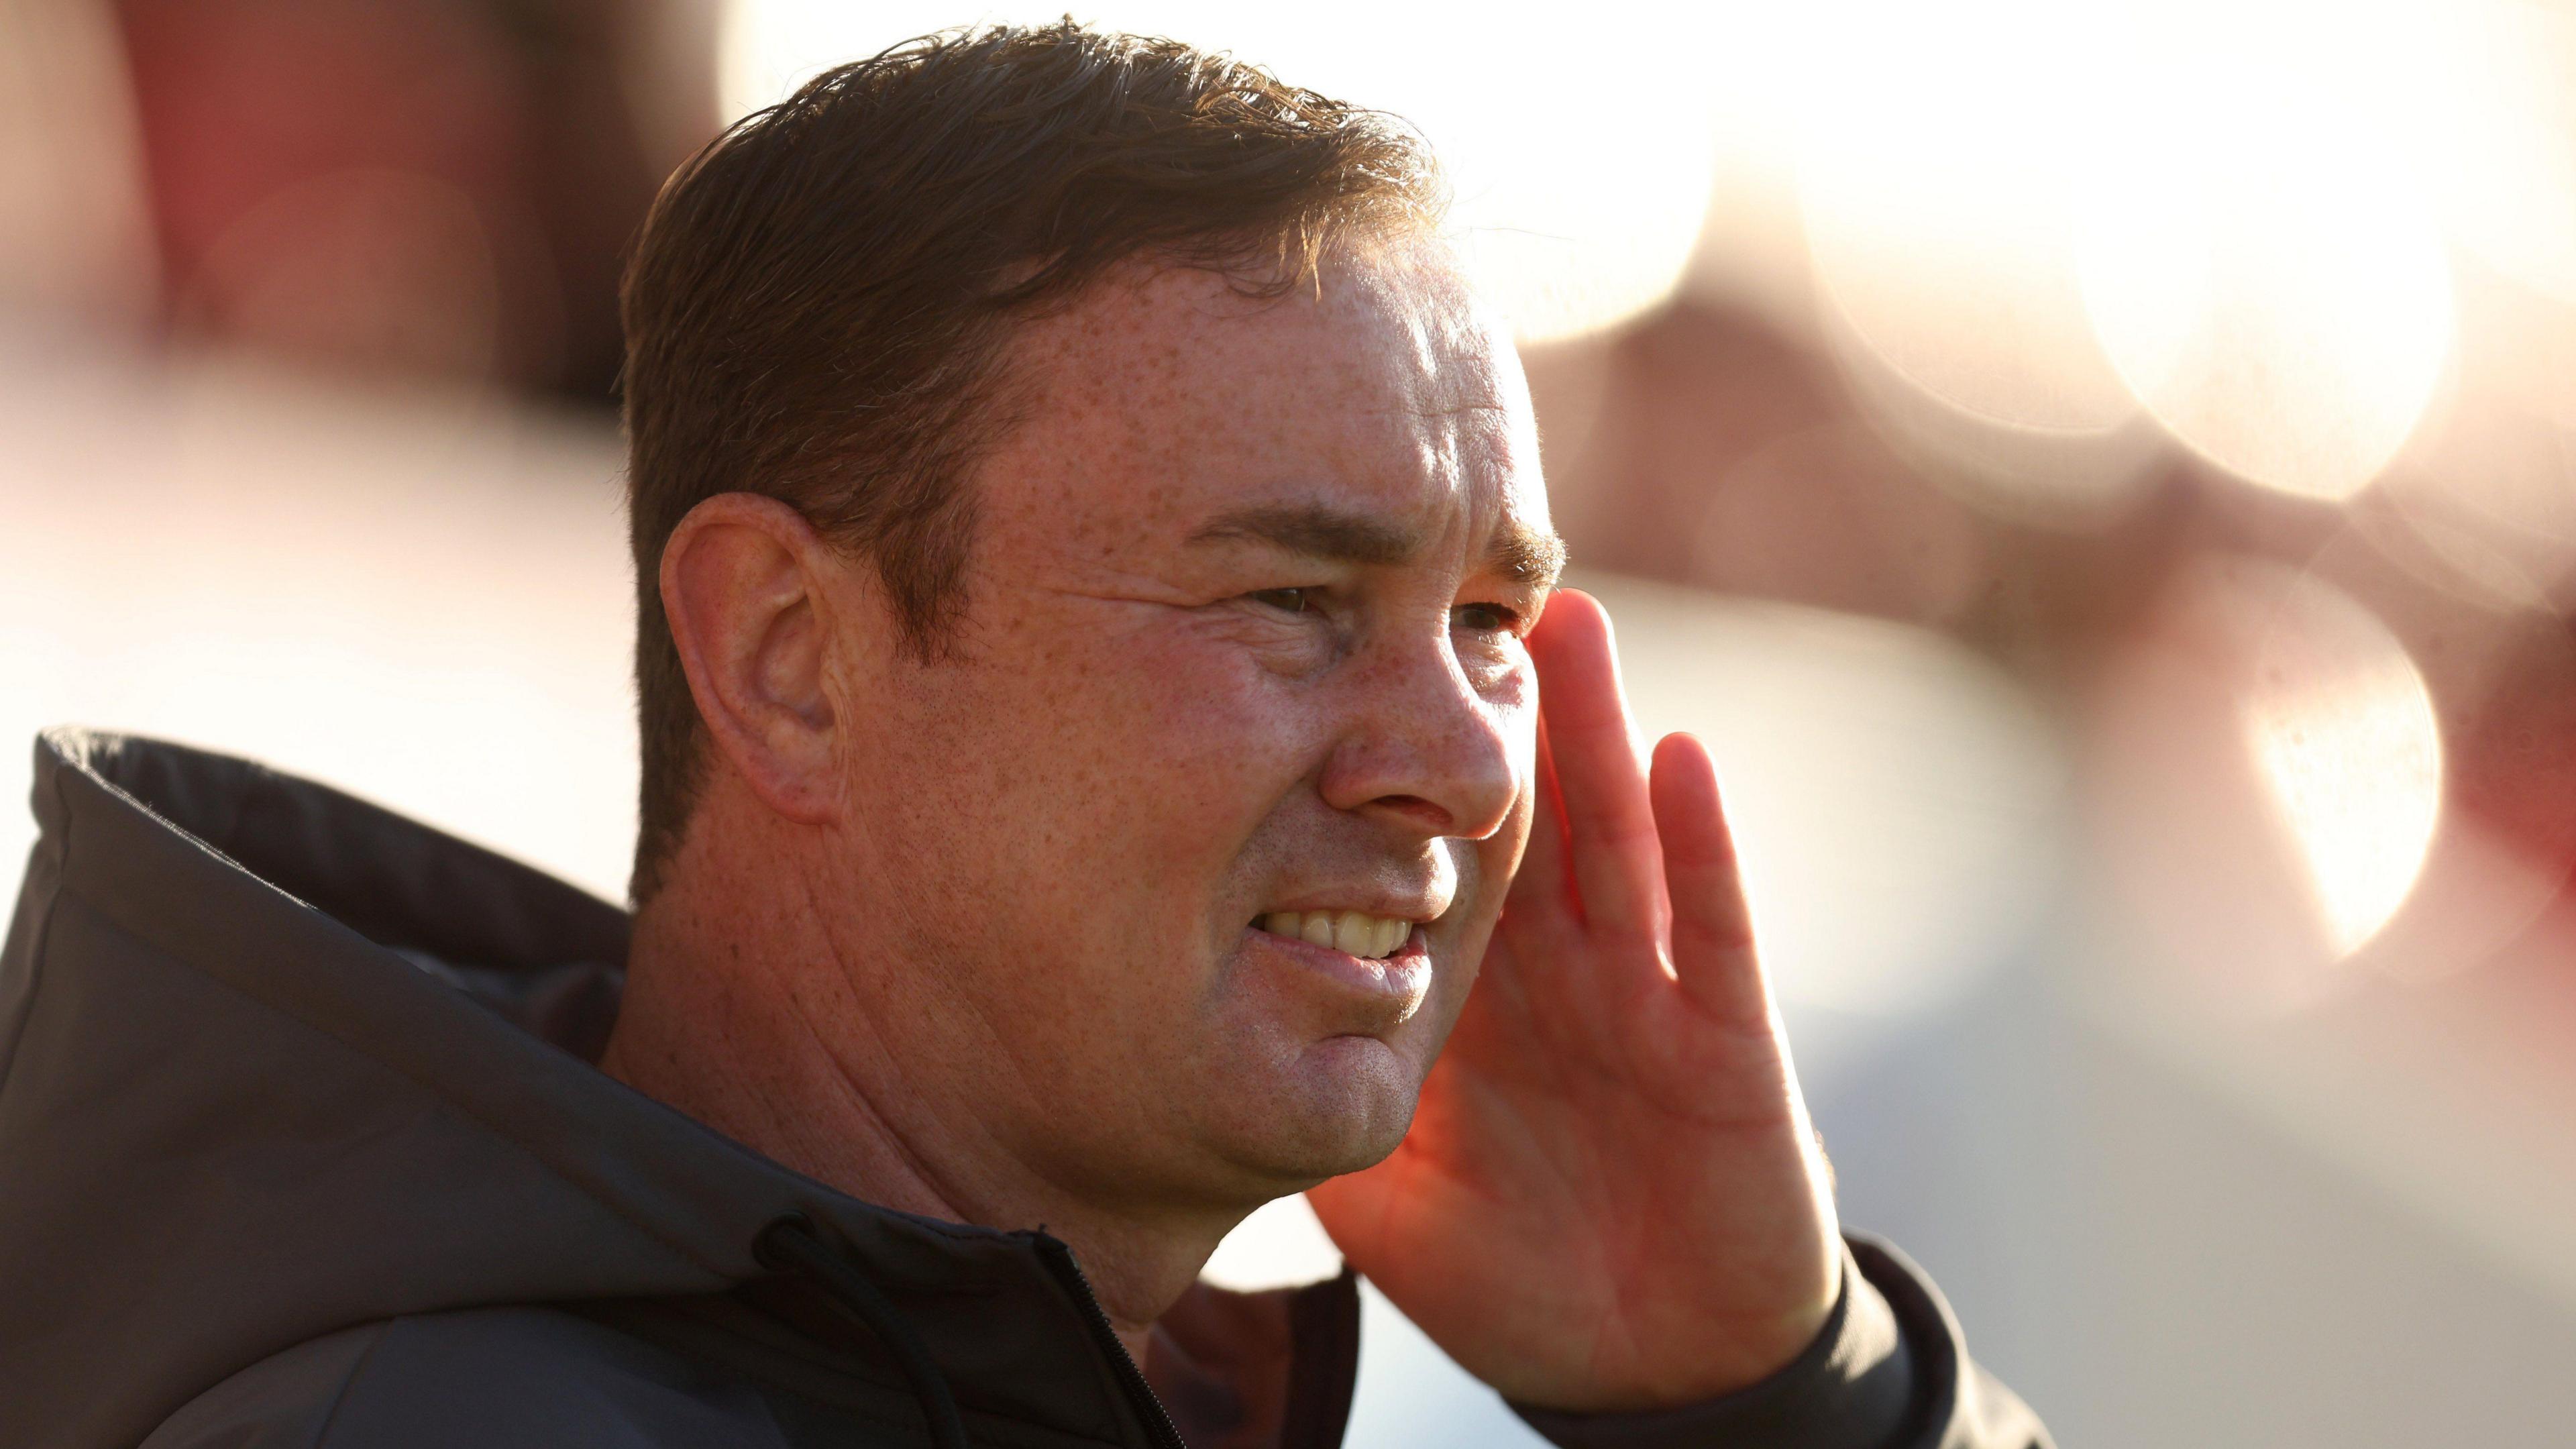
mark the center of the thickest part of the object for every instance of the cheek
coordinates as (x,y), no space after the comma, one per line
(1109,783)
(1205,742)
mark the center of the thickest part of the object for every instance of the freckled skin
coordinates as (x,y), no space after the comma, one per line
(1128,759)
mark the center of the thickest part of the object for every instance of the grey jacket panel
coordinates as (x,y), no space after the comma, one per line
(494,1378)
(285,1401)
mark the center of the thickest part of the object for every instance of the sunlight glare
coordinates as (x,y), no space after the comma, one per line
(1938,212)
(2499,135)
(1565,234)
(2260,263)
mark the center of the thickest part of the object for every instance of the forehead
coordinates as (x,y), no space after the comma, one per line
(1164,395)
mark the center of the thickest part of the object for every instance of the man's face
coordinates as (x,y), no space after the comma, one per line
(1242,639)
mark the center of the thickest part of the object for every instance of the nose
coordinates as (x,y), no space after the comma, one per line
(1424,751)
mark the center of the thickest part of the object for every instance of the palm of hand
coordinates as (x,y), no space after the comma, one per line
(1610,1197)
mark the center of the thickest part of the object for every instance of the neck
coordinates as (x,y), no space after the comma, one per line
(747,1020)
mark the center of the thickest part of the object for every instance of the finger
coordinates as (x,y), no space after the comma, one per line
(1616,861)
(1713,951)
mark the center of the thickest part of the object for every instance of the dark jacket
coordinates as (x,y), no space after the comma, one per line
(300,1146)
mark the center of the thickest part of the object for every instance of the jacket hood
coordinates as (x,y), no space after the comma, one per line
(275,1062)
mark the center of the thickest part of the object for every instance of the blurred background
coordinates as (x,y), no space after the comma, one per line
(2102,476)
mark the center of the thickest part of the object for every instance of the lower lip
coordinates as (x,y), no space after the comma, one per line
(1401,979)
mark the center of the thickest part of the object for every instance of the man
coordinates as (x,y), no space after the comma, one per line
(1104,709)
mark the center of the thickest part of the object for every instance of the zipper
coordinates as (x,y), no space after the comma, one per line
(1140,1394)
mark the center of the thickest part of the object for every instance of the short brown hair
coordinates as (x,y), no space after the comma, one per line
(818,300)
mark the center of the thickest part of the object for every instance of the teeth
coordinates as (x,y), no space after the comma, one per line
(1355,932)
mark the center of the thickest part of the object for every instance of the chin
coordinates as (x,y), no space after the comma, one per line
(1342,1106)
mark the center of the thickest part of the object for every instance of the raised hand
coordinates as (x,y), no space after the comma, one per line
(1611,1197)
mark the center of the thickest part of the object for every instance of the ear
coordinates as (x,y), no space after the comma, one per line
(741,585)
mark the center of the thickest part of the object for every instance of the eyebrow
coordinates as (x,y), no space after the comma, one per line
(1527,555)
(1518,552)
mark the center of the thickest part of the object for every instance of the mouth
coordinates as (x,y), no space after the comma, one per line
(1377,966)
(1353,933)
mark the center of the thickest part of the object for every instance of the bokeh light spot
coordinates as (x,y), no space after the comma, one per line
(1939,215)
(2343,736)
(2267,279)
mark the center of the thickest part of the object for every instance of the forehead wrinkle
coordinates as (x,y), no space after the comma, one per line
(1465,408)
(1380,378)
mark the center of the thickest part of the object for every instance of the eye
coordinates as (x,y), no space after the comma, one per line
(1485,618)
(1286,601)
